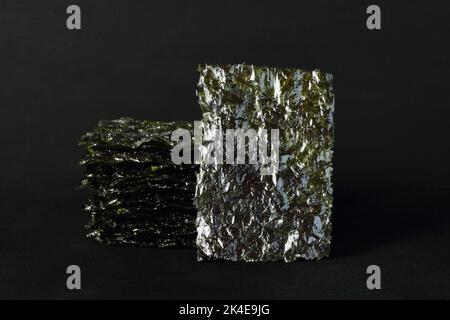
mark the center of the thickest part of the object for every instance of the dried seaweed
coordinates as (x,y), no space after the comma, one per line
(137,195)
(242,215)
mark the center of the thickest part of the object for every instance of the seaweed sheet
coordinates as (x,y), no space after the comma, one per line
(137,195)
(246,216)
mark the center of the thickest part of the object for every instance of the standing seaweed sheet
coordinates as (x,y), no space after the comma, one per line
(138,196)
(246,216)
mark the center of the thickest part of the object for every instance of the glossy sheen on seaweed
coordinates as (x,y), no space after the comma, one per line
(243,216)
(138,196)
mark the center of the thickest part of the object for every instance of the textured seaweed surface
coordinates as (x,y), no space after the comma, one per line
(138,196)
(248,217)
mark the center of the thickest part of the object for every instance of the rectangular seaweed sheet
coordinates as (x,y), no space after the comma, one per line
(243,216)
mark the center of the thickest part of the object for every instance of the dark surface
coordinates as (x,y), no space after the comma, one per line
(138,59)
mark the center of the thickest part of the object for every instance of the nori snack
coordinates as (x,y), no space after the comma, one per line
(243,216)
(137,195)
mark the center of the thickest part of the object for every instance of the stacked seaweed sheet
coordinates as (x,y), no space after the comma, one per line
(244,215)
(138,196)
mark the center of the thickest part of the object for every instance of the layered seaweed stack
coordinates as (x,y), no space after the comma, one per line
(137,195)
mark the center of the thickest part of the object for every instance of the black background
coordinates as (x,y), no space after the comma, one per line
(139,58)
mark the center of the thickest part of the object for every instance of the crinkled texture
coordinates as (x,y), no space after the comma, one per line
(138,196)
(243,216)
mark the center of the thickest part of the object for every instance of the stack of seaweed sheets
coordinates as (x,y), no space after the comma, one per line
(138,196)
